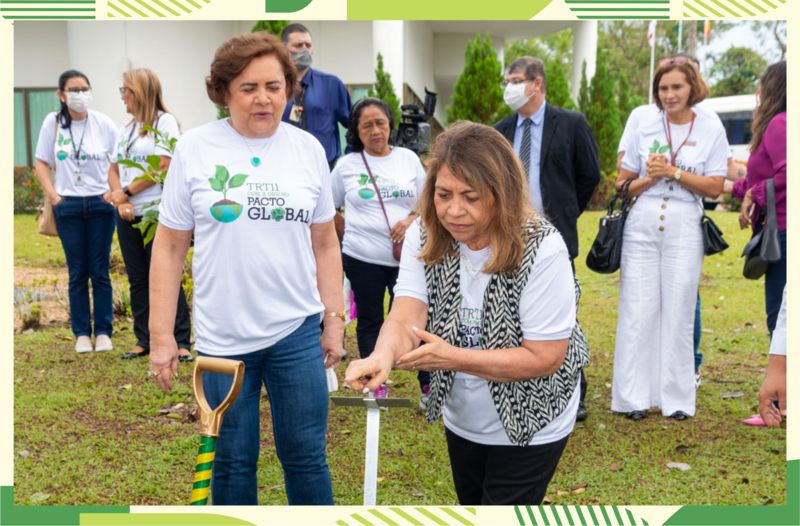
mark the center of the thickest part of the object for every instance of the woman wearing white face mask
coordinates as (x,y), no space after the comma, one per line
(78,142)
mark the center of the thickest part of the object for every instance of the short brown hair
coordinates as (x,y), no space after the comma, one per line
(531,67)
(482,158)
(236,53)
(699,89)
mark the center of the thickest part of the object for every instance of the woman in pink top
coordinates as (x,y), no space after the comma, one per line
(768,161)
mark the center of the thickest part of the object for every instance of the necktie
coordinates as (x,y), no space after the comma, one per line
(525,147)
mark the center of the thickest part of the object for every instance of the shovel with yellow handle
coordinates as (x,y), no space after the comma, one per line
(211,421)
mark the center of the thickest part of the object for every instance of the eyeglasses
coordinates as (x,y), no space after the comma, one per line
(513,82)
(79,90)
(676,61)
(122,90)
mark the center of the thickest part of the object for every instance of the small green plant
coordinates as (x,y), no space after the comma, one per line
(61,296)
(28,299)
(121,296)
(147,226)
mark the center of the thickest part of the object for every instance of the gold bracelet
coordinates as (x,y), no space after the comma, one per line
(340,315)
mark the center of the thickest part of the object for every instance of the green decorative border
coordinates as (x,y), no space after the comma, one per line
(393,516)
(48,9)
(443,516)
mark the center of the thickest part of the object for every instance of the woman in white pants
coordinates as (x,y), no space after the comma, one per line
(676,158)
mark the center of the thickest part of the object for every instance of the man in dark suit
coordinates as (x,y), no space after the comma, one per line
(558,152)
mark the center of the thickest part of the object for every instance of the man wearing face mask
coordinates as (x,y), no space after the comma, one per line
(322,100)
(558,152)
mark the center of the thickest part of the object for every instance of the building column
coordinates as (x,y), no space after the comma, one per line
(584,48)
(387,39)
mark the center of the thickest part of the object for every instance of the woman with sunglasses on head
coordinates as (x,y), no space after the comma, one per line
(672,163)
(78,142)
(141,93)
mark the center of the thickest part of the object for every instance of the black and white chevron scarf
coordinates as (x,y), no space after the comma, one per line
(524,407)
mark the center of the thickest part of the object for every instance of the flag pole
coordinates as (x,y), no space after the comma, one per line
(652,63)
(680,34)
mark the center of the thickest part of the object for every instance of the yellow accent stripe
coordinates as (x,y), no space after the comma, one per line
(202,475)
(205,457)
(200,494)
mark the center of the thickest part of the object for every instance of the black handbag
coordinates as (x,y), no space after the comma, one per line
(606,252)
(764,247)
(713,243)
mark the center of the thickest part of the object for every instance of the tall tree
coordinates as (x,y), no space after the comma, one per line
(558,93)
(602,112)
(738,71)
(583,92)
(625,42)
(384,90)
(550,47)
(772,30)
(274,27)
(624,96)
(477,95)
(691,37)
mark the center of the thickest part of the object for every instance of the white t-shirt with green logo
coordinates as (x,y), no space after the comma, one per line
(81,153)
(254,269)
(705,151)
(547,312)
(400,177)
(132,146)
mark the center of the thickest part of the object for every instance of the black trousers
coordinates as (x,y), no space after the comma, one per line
(137,264)
(502,475)
(369,283)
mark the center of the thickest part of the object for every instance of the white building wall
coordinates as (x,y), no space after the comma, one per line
(388,39)
(344,48)
(41,54)
(418,57)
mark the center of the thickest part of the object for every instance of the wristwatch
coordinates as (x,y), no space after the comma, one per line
(677,175)
(127,191)
(340,315)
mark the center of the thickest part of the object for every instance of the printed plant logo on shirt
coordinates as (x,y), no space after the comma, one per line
(61,154)
(367,192)
(226,211)
(657,148)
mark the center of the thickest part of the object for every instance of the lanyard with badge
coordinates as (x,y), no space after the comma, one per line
(78,174)
(132,140)
(674,156)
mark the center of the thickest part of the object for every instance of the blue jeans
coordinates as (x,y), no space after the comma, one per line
(294,374)
(774,282)
(86,228)
(698,331)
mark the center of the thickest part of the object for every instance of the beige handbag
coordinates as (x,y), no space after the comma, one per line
(45,216)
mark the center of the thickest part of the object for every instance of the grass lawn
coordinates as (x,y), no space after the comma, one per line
(87,428)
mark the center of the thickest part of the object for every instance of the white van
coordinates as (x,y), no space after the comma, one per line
(736,114)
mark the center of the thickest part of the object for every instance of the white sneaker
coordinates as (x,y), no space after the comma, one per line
(84,344)
(103,343)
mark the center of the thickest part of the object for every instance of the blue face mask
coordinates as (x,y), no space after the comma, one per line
(302,59)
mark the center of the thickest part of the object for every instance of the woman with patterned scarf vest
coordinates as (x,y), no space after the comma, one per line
(492,283)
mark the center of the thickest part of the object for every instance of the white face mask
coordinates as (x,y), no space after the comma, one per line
(514,96)
(79,102)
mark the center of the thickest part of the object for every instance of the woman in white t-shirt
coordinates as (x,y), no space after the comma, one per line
(673,162)
(368,239)
(79,142)
(492,282)
(141,93)
(267,268)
